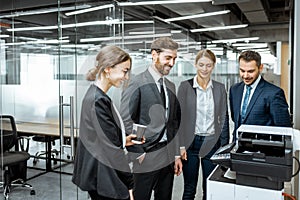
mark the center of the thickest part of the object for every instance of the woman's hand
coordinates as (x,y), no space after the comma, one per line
(131,137)
(131,195)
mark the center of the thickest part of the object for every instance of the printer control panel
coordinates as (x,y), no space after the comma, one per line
(221,156)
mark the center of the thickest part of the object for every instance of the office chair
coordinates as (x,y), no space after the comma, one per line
(12,162)
(39,154)
(51,114)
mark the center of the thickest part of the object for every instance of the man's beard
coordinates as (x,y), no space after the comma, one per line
(160,67)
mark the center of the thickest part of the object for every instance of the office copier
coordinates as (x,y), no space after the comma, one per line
(261,158)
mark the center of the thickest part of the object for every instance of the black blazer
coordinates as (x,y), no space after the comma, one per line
(100,162)
(188,99)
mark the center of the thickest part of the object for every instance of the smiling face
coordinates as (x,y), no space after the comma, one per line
(249,71)
(204,68)
(164,60)
(119,73)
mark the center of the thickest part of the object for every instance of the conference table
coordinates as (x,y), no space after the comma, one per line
(48,130)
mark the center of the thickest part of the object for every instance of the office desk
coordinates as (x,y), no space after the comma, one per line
(40,129)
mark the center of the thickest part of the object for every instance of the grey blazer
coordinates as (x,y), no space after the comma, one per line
(141,103)
(187,97)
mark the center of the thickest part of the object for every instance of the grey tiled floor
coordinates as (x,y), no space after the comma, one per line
(48,187)
(56,186)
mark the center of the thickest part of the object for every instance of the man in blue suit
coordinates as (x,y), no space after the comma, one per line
(265,104)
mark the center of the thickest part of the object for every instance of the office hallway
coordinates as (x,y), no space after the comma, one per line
(48,185)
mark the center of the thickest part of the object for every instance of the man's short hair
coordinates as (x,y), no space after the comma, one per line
(249,56)
(163,43)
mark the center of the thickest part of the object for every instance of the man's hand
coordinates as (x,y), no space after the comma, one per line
(141,158)
(183,153)
(177,166)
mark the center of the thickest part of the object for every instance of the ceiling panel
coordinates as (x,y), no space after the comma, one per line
(268,20)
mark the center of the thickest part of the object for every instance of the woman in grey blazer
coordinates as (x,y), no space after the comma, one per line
(204,122)
(101,166)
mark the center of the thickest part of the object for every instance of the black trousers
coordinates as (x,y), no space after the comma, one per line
(95,196)
(161,181)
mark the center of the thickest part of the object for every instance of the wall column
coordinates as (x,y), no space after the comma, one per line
(285,69)
(296,52)
(296,83)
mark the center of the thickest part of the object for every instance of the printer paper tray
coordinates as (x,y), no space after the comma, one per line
(257,157)
(271,171)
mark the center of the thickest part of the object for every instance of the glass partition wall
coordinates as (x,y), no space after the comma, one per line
(45,54)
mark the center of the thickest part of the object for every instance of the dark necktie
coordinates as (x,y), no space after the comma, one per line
(245,102)
(162,92)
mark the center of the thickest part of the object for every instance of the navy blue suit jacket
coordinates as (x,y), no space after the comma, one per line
(267,107)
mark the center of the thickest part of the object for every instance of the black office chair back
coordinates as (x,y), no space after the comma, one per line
(13,163)
(8,137)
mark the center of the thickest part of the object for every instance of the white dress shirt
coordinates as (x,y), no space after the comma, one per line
(204,109)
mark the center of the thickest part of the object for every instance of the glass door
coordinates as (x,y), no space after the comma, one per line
(67,78)
(79,34)
(41,85)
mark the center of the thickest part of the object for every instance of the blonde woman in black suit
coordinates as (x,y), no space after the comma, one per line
(204,122)
(101,166)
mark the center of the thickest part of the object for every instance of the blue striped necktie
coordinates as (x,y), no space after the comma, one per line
(245,102)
